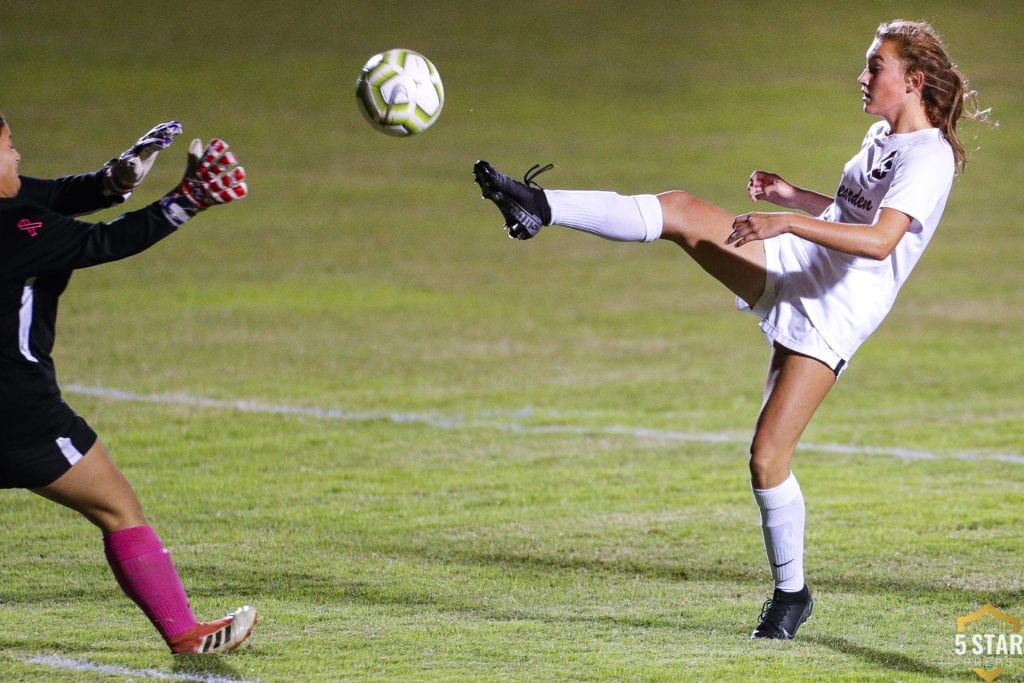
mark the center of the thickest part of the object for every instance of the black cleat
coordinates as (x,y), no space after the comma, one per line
(783,613)
(522,204)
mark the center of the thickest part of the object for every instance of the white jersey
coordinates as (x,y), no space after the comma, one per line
(825,303)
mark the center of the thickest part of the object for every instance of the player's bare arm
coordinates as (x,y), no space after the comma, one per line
(771,187)
(875,241)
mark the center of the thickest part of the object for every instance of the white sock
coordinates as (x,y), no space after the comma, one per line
(782,524)
(622,218)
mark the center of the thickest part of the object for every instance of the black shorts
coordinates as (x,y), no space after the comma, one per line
(42,464)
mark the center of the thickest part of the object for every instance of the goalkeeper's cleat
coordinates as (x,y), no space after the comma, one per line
(783,613)
(216,636)
(522,204)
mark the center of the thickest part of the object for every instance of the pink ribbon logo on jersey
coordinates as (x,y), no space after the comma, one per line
(31,227)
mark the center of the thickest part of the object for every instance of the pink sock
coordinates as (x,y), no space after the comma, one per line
(147,575)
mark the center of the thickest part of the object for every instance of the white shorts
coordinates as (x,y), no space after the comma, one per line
(782,320)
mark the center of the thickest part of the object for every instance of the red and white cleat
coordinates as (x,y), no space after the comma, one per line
(216,636)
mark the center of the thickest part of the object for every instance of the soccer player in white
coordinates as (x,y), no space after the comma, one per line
(821,280)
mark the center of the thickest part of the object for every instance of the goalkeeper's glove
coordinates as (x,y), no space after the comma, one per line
(123,174)
(211,177)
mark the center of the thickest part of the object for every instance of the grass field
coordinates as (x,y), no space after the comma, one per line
(426,452)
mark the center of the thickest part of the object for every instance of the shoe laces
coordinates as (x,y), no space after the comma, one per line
(770,605)
(765,608)
(533,172)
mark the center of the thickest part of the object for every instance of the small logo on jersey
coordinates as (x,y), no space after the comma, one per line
(31,227)
(883,167)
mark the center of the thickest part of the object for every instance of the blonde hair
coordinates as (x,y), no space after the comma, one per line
(946,93)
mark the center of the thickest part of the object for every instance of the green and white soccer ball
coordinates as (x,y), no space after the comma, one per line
(400,92)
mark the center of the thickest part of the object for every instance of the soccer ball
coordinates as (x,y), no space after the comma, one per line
(400,92)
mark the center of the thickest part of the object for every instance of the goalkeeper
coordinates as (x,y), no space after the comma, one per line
(44,445)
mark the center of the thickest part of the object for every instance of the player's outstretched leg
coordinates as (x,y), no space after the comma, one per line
(526,206)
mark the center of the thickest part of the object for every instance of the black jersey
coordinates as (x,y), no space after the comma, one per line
(40,245)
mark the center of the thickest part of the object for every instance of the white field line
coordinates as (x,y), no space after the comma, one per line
(69,664)
(511,422)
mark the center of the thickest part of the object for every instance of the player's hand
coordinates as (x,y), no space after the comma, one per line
(750,227)
(212,177)
(123,174)
(770,187)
